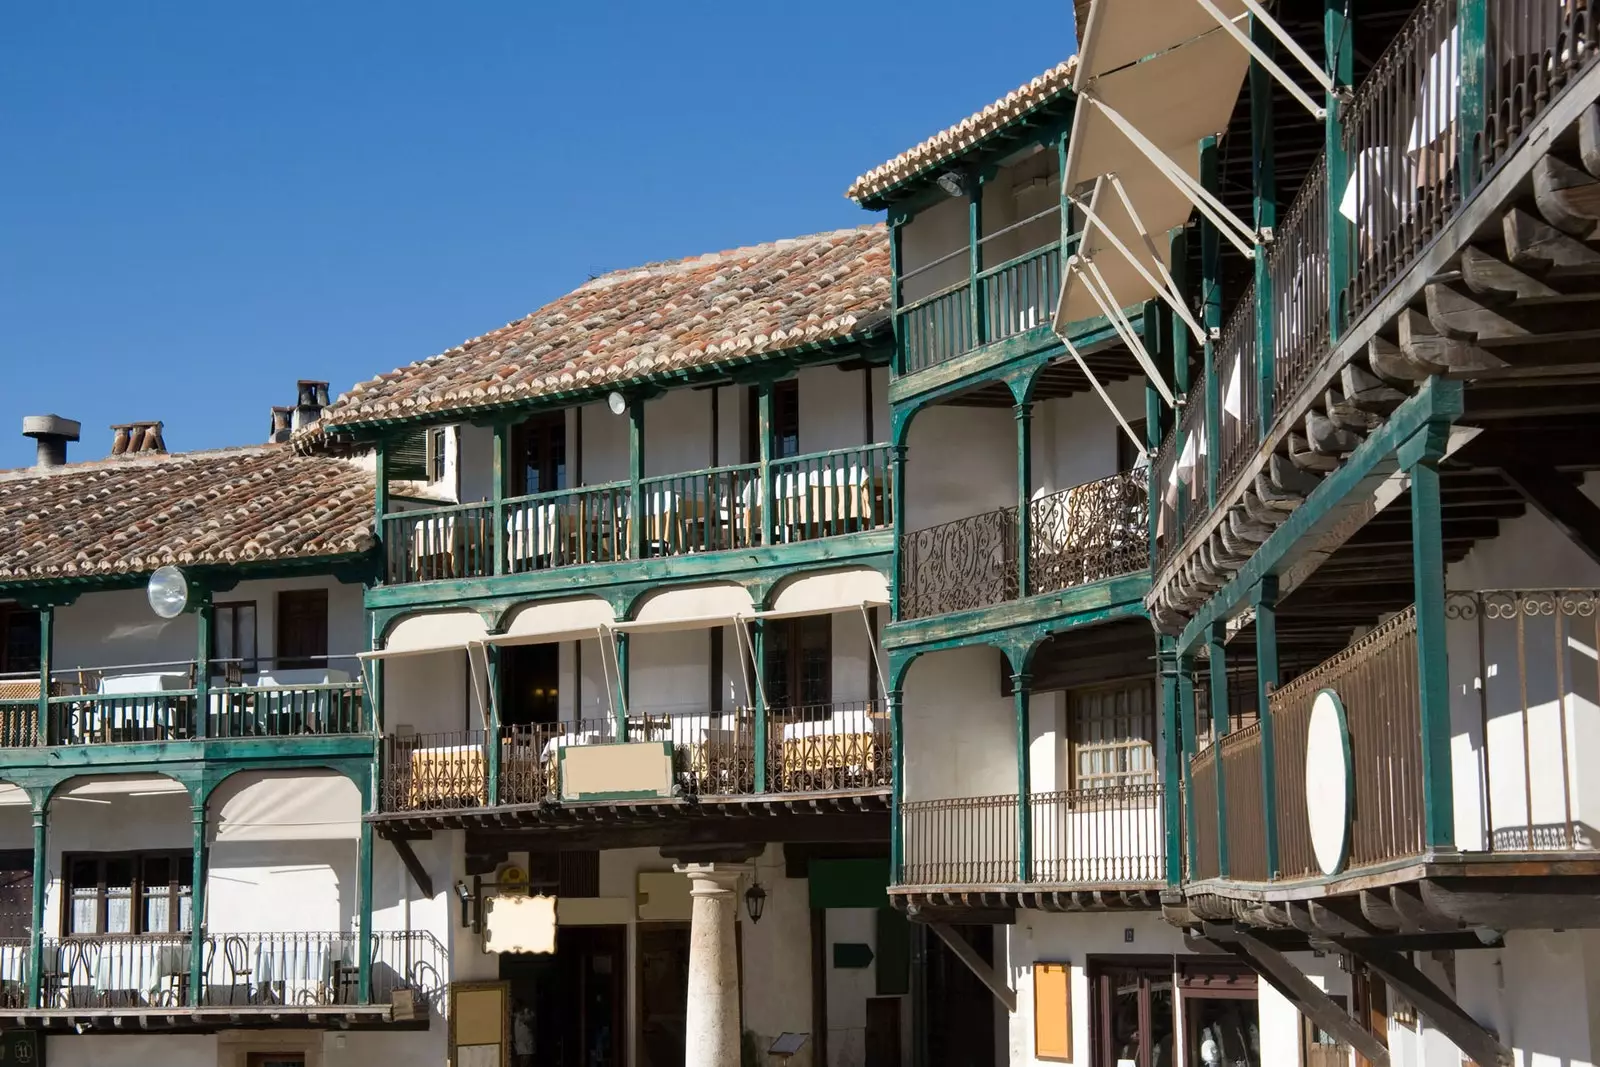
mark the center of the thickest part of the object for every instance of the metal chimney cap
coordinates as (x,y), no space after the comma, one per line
(37,426)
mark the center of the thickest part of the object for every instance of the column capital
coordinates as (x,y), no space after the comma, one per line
(712,879)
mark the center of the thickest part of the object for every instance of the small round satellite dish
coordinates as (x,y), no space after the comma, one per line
(617,403)
(168,592)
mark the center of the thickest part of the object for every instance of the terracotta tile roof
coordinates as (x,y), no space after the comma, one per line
(131,515)
(632,325)
(942,147)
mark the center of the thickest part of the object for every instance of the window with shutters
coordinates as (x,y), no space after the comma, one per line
(16,892)
(436,454)
(800,663)
(539,455)
(1113,733)
(19,640)
(233,636)
(128,893)
(302,629)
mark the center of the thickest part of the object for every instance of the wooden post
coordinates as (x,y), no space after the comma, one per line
(1023,413)
(364,890)
(635,474)
(1266,597)
(619,709)
(1473,77)
(502,468)
(1020,696)
(491,720)
(1339,47)
(380,502)
(1420,457)
(897,767)
(1219,729)
(769,496)
(1264,186)
(1187,726)
(41,881)
(1153,431)
(47,620)
(897,222)
(758,701)
(197,898)
(202,661)
(1178,254)
(1211,319)
(897,486)
(1170,733)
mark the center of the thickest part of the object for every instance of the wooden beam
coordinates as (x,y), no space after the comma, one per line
(1440,1007)
(1558,500)
(408,856)
(977,965)
(1314,1004)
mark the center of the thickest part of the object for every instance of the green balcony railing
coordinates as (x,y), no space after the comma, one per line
(992,305)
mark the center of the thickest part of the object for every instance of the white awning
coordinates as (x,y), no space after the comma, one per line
(690,607)
(438,631)
(847,589)
(1184,91)
(568,619)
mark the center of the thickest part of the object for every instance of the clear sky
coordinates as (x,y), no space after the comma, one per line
(201,203)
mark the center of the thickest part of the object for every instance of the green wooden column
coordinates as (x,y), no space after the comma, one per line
(1020,696)
(1153,413)
(491,718)
(1024,416)
(1219,729)
(1420,457)
(364,893)
(896,223)
(1473,77)
(619,699)
(1186,725)
(758,698)
(1340,50)
(203,615)
(1178,254)
(1266,598)
(502,468)
(380,500)
(635,474)
(47,626)
(1172,794)
(1264,188)
(897,768)
(897,489)
(197,897)
(41,881)
(769,496)
(980,331)
(1211,319)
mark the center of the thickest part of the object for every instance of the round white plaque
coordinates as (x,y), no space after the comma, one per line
(1330,783)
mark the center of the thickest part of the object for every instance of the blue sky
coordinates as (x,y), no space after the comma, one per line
(203,202)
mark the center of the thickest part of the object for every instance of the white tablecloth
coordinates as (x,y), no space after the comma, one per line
(13,962)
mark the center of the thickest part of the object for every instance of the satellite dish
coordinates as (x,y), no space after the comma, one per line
(168,592)
(617,403)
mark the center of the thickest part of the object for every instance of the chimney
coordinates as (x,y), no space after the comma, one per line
(281,417)
(51,433)
(137,438)
(313,397)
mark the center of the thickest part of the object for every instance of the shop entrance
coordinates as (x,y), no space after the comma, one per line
(568,1008)
(961,1009)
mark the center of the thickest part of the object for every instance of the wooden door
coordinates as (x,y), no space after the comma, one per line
(883,1032)
(302,629)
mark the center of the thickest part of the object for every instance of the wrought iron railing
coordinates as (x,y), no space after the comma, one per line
(1203,855)
(307,969)
(1376,679)
(1169,519)
(1104,836)
(1093,531)
(1239,412)
(960,565)
(823,494)
(559,529)
(1240,753)
(1193,457)
(1297,263)
(964,841)
(1535,49)
(828,747)
(432,771)
(1523,681)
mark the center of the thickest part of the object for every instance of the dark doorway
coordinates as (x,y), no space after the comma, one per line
(539,455)
(302,629)
(567,1009)
(883,1032)
(663,993)
(800,664)
(529,680)
(1131,1014)
(960,1023)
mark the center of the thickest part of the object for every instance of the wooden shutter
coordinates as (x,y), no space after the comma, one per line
(406,458)
(302,629)
(1052,1011)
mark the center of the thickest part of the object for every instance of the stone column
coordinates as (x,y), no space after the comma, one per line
(712,1027)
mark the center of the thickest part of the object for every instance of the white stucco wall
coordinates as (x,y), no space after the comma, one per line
(958,732)
(934,232)
(960,461)
(117,627)
(430,693)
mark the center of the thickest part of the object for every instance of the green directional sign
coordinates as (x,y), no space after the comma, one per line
(25,1047)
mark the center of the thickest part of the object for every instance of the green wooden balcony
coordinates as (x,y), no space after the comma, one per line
(993,304)
(791,500)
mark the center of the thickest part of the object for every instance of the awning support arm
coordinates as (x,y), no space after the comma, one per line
(1164,289)
(977,965)
(1176,298)
(1318,112)
(1099,389)
(872,647)
(1312,66)
(1095,282)
(1238,234)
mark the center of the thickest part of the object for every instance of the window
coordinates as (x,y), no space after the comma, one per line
(539,455)
(16,892)
(128,893)
(785,421)
(800,663)
(435,456)
(1113,736)
(233,636)
(302,629)
(19,640)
